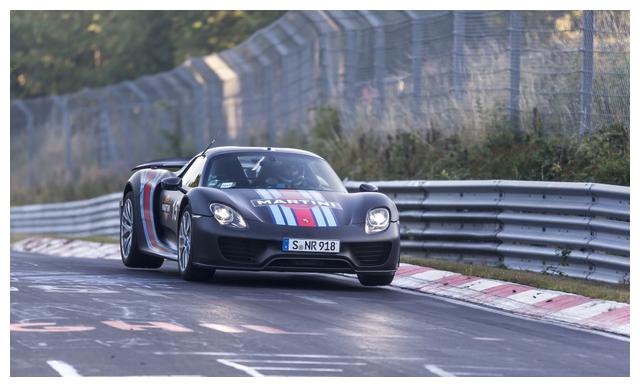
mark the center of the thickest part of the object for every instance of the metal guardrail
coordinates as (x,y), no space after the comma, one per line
(93,217)
(575,229)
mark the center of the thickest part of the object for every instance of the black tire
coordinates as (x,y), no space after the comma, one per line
(189,271)
(134,257)
(375,279)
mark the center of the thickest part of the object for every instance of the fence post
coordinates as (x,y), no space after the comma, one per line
(586,72)
(144,99)
(106,150)
(515,31)
(378,60)
(198,102)
(305,77)
(61,102)
(458,54)
(348,28)
(284,109)
(28,114)
(417,53)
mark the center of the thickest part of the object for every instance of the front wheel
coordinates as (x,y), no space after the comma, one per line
(375,279)
(188,270)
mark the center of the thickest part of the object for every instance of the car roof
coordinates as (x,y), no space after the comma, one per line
(247,149)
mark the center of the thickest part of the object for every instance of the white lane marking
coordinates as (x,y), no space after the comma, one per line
(303,356)
(317,300)
(434,369)
(247,370)
(488,339)
(477,374)
(63,369)
(13,289)
(222,328)
(302,369)
(298,362)
(165,376)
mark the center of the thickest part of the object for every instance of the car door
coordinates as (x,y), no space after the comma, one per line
(170,200)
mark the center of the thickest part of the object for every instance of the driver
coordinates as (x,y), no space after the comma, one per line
(286,175)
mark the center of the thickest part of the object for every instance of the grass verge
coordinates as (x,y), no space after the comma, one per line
(587,288)
(100,239)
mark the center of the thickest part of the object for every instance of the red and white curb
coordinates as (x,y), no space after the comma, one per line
(608,316)
(550,305)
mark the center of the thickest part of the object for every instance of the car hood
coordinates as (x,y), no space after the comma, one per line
(301,208)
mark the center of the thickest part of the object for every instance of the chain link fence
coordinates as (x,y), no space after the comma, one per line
(384,71)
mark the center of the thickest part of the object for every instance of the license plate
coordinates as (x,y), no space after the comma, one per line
(311,245)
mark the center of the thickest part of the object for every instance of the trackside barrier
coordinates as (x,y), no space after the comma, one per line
(574,229)
(93,217)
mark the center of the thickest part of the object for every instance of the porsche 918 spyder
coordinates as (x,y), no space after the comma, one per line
(250,208)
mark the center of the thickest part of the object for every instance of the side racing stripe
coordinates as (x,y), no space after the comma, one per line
(148,182)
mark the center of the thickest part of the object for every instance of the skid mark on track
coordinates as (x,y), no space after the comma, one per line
(49,327)
(148,325)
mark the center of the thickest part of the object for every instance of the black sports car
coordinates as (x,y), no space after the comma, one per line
(249,208)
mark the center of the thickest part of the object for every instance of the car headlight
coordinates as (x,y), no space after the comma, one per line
(227,216)
(377,220)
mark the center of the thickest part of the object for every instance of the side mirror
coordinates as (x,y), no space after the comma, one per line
(172,183)
(365,187)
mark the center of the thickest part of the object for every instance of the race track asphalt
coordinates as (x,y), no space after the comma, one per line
(94,317)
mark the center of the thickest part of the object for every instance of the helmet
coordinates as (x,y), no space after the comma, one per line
(289,173)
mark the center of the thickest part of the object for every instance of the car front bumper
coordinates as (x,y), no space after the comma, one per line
(259,247)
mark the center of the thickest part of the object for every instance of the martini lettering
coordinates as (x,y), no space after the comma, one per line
(306,202)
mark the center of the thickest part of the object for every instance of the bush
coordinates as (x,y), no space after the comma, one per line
(495,152)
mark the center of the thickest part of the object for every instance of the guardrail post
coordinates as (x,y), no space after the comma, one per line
(586,72)
(515,33)
(458,54)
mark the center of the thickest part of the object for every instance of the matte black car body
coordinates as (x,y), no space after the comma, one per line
(259,246)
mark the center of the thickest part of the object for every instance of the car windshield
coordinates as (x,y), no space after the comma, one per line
(271,170)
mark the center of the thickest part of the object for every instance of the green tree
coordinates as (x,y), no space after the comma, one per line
(55,52)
